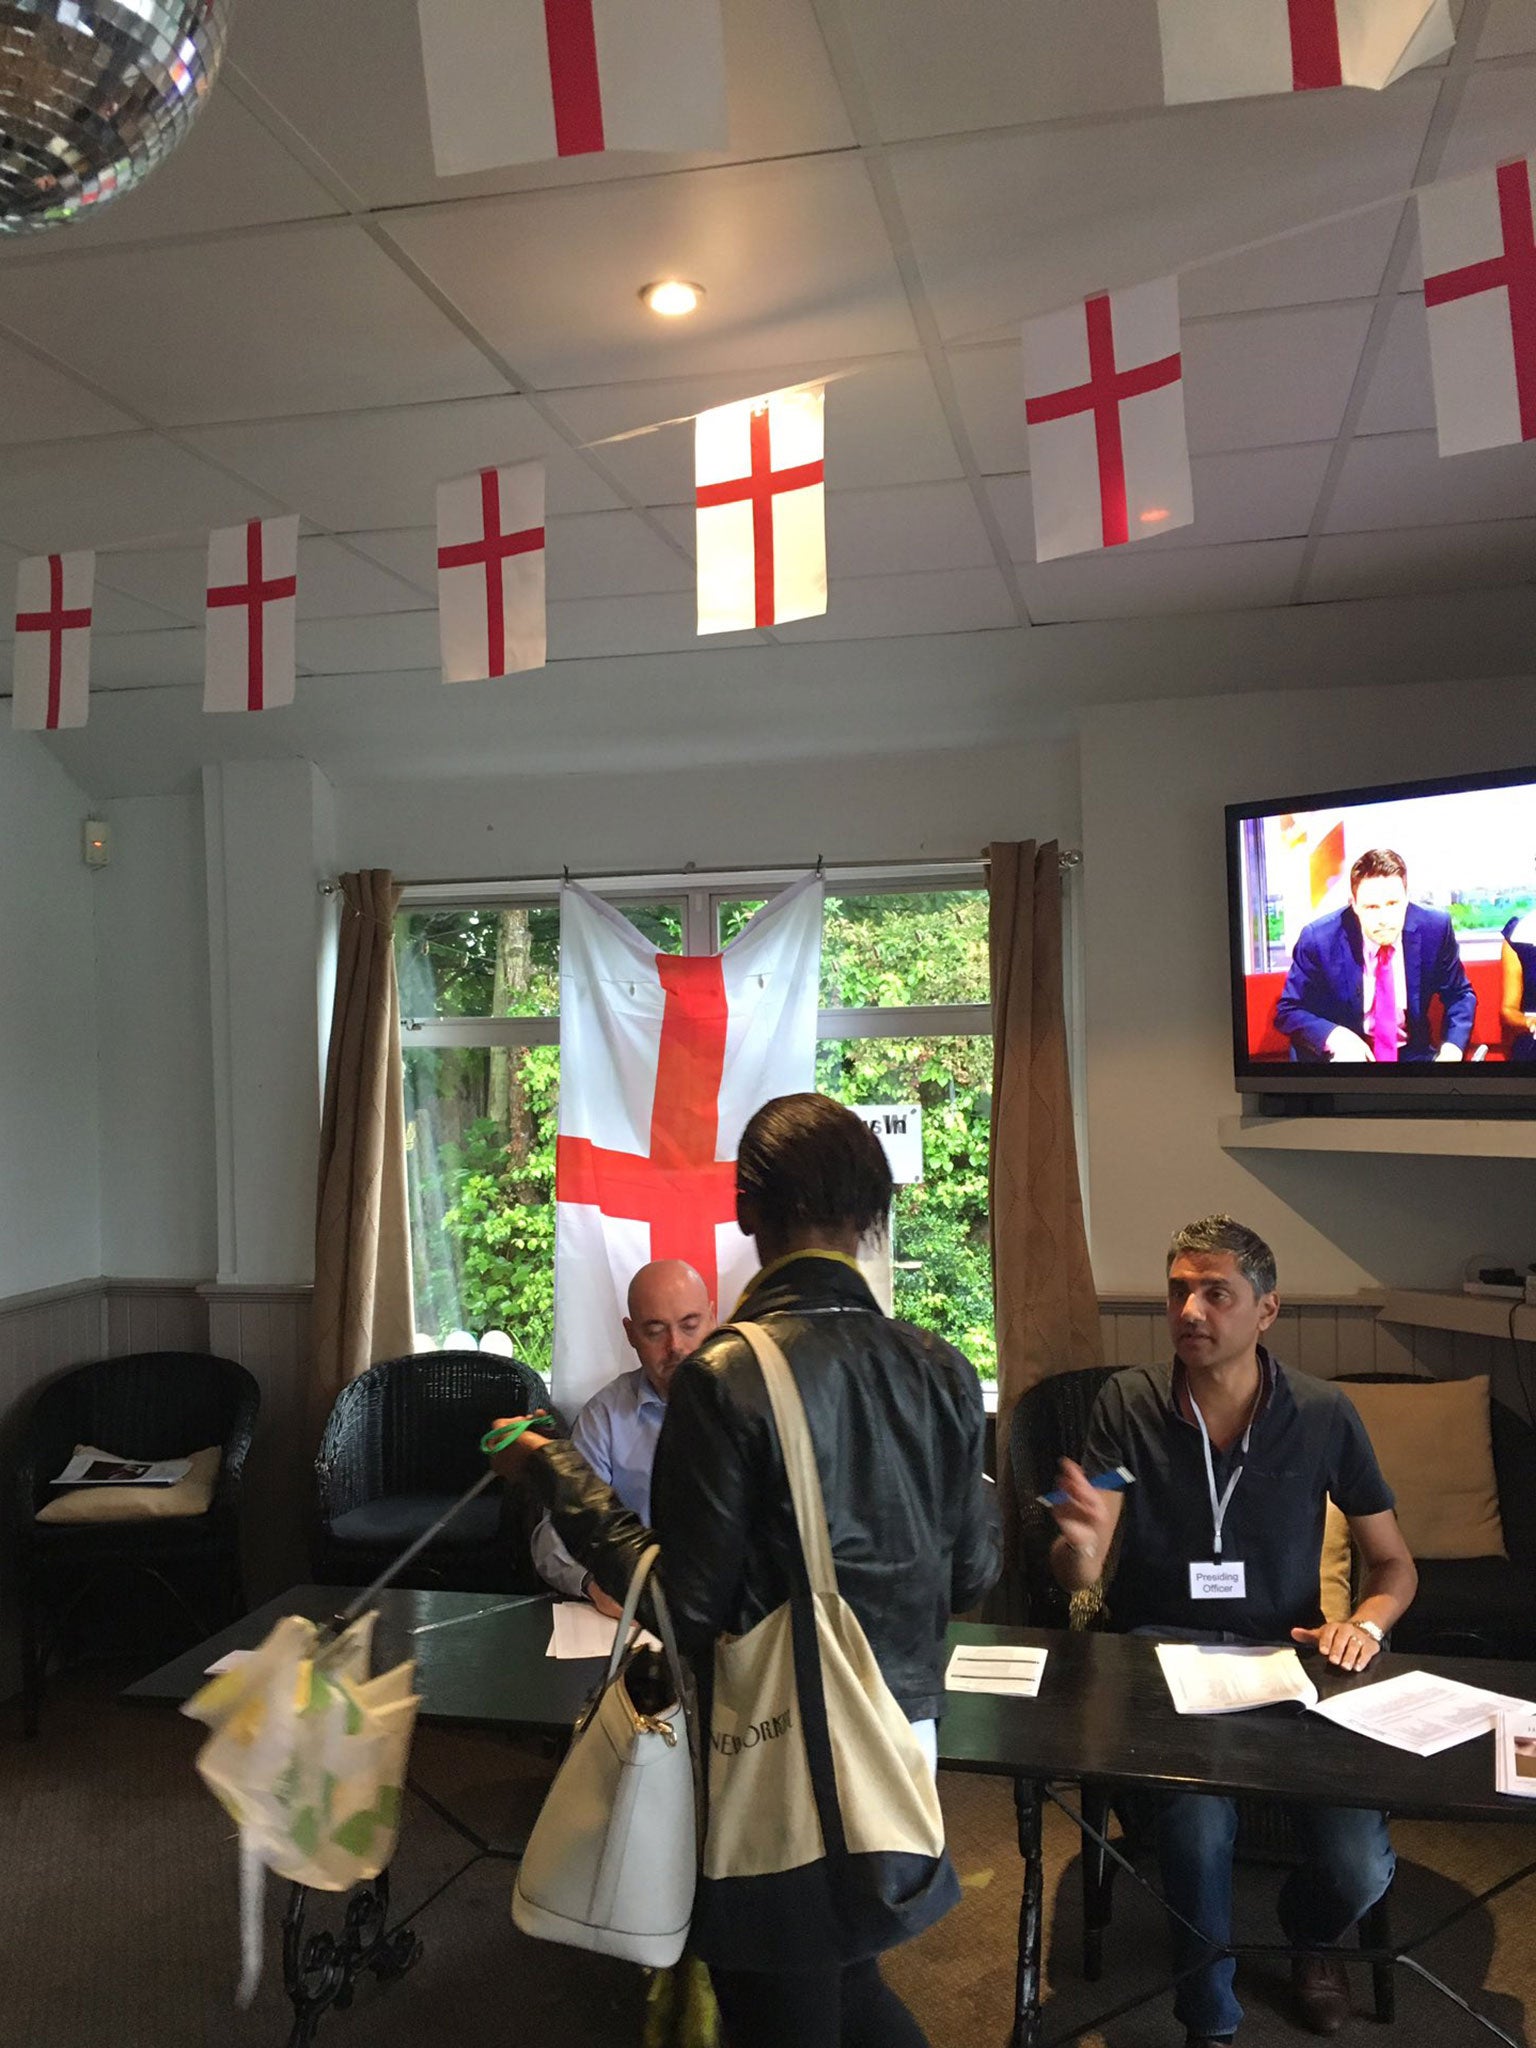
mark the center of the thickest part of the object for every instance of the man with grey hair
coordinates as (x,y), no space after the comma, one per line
(1234,1458)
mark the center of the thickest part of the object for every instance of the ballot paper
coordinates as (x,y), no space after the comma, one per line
(580,1631)
(1514,1752)
(1010,1668)
(1420,1713)
(99,1468)
(1227,1678)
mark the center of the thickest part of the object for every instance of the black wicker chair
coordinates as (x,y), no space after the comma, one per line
(402,1443)
(153,1404)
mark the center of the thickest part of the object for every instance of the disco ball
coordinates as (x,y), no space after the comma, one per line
(93,95)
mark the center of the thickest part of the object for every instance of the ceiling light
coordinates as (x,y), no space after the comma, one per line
(1153,514)
(671,297)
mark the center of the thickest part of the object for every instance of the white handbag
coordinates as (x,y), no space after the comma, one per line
(613,1857)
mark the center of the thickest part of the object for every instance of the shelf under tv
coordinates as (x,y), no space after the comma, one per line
(1444,1137)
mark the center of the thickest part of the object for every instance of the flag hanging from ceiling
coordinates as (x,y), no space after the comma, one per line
(1479,252)
(662,1061)
(1104,400)
(761,517)
(1229,49)
(52,656)
(248,659)
(490,573)
(521,81)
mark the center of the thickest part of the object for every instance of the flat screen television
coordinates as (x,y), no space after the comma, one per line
(1384,943)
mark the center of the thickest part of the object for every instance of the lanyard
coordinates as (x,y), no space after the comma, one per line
(1219,1507)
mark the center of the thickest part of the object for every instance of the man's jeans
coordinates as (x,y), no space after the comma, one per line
(1347,1865)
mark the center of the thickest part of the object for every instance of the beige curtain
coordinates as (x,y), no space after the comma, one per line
(1046,1308)
(362,1308)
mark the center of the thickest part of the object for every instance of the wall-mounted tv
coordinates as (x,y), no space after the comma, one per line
(1384,942)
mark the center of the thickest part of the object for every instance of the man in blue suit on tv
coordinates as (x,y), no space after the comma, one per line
(1361,979)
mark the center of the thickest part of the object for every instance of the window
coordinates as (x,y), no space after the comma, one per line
(904,1023)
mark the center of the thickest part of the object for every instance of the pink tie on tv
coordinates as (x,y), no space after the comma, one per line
(1384,1008)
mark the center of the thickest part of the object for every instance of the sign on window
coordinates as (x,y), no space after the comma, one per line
(899,1127)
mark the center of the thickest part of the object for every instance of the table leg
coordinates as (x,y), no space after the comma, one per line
(320,1970)
(1026,1999)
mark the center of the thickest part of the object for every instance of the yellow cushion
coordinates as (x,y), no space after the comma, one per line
(1335,1573)
(189,1496)
(1431,1440)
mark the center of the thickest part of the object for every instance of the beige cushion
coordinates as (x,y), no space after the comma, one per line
(1431,1440)
(1334,1589)
(189,1496)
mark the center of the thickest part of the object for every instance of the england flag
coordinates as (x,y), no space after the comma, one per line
(52,659)
(1231,49)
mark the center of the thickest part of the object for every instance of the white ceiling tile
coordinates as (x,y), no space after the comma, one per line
(353,471)
(1400,395)
(291,320)
(892,607)
(229,173)
(994,64)
(883,419)
(1496,119)
(129,488)
(1255,495)
(1154,582)
(165,660)
(661,623)
(1344,260)
(357,95)
(369,646)
(989,388)
(1254,380)
(38,403)
(1418,559)
(1401,480)
(1005,226)
(794,259)
(1510,29)
(904,531)
(113,612)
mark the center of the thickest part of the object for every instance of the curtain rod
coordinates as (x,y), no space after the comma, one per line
(690,876)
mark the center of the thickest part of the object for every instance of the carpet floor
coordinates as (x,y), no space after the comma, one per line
(118,1916)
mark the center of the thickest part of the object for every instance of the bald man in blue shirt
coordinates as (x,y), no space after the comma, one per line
(670,1315)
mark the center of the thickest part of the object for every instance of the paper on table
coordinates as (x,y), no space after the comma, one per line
(1011,1668)
(230,1661)
(1418,1712)
(1226,1678)
(580,1631)
(1514,1753)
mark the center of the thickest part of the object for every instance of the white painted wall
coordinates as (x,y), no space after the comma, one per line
(157,1152)
(1155,778)
(50,1186)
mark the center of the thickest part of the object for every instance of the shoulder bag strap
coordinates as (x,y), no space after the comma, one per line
(799,1457)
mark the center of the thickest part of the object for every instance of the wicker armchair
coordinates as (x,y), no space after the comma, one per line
(402,1443)
(153,1404)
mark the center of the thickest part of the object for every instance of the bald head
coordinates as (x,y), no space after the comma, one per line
(670,1314)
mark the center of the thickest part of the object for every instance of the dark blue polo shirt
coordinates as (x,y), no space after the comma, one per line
(1307,1442)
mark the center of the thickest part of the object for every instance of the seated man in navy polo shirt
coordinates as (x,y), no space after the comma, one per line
(1234,1457)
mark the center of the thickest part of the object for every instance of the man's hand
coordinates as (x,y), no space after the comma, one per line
(1344,1044)
(1087,1517)
(601,1601)
(1341,1642)
(511,1462)
(1449,1052)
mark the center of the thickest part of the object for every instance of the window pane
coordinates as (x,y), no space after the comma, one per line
(893,948)
(480,1128)
(940,1249)
(500,961)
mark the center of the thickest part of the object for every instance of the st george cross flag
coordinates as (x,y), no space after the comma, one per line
(248,662)
(761,518)
(662,1061)
(490,573)
(1479,251)
(1229,49)
(52,658)
(1104,399)
(521,81)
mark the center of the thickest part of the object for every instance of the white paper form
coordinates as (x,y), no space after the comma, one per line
(1514,1754)
(1012,1669)
(1227,1678)
(580,1631)
(1420,1713)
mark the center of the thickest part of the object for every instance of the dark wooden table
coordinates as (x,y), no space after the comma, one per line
(1103,1718)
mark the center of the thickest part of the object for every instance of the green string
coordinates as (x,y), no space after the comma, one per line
(496,1440)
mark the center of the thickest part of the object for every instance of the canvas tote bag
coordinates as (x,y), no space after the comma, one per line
(612,1860)
(824,1842)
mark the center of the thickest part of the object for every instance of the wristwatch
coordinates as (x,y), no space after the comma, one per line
(1376,1635)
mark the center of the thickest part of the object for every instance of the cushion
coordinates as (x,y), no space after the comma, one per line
(1334,1590)
(190,1496)
(400,1518)
(1432,1442)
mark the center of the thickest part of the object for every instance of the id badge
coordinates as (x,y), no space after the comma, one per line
(1224,1581)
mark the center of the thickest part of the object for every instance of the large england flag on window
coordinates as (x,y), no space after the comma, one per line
(662,1061)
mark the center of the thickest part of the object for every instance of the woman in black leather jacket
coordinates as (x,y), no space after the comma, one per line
(897,1423)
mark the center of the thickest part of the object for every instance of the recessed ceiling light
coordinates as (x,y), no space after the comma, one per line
(671,297)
